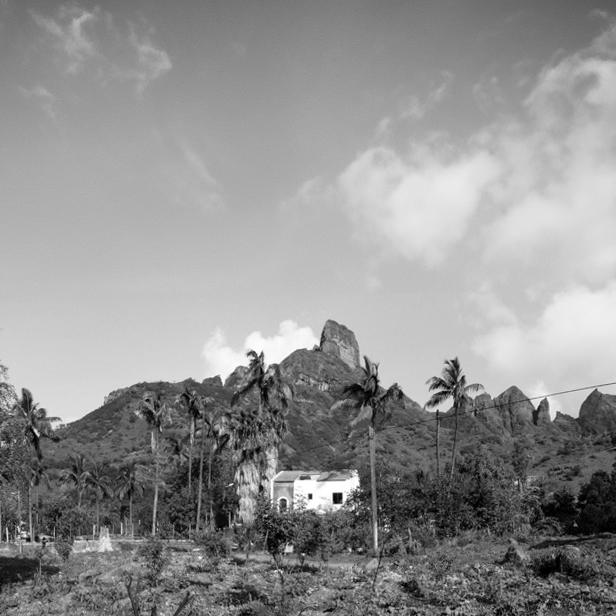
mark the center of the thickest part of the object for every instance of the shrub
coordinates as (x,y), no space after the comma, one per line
(214,543)
(152,553)
(64,547)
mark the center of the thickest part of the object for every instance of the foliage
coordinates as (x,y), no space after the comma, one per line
(64,546)
(214,542)
(597,503)
(152,554)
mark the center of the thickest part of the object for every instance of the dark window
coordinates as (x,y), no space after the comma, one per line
(337,498)
(309,496)
(282,505)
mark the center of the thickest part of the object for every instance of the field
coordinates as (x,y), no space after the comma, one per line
(471,575)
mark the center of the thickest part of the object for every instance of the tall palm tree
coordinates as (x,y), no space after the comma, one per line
(129,483)
(212,428)
(451,384)
(155,412)
(100,481)
(371,399)
(191,401)
(36,423)
(256,434)
(38,475)
(76,475)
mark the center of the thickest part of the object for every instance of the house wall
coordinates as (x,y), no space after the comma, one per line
(283,490)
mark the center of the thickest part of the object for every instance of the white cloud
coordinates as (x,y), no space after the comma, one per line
(420,206)
(45,98)
(536,184)
(71,32)
(570,344)
(222,359)
(90,41)
(188,179)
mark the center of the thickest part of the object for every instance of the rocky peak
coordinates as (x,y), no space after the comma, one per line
(598,413)
(515,409)
(339,341)
(541,417)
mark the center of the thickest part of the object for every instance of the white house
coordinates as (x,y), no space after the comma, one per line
(320,490)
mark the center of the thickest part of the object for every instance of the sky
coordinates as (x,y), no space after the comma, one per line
(181,182)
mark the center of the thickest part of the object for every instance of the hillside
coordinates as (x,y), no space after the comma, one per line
(565,449)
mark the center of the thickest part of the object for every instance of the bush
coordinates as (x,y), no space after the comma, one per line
(64,547)
(152,553)
(214,543)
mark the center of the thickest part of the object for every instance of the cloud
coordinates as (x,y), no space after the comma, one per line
(534,185)
(222,359)
(89,41)
(418,205)
(188,179)
(45,98)
(71,33)
(570,344)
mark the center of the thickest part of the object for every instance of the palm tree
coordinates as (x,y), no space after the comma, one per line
(211,428)
(451,384)
(256,434)
(38,475)
(371,399)
(129,483)
(36,423)
(77,475)
(100,481)
(191,401)
(155,412)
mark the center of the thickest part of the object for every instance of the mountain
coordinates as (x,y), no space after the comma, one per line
(321,437)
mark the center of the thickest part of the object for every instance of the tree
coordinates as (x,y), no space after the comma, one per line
(371,399)
(35,421)
(451,384)
(129,483)
(256,433)
(155,412)
(77,475)
(38,475)
(212,429)
(100,481)
(8,397)
(191,401)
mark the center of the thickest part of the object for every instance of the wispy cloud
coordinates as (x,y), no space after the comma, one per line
(45,98)
(188,179)
(221,359)
(90,41)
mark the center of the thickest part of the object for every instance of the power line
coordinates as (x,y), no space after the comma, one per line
(467,412)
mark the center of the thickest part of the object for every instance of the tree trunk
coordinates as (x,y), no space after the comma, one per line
(375,525)
(438,456)
(190,452)
(98,526)
(455,442)
(209,486)
(130,512)
(30,513)
(200,478)
(155,506)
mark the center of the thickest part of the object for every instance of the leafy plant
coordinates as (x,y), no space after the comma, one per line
(152,553)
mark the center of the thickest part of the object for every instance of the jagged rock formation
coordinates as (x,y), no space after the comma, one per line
(339,341)
(598,413)
(567,424)
(515,410)
(541,417)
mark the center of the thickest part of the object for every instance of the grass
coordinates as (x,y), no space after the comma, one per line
(464,577)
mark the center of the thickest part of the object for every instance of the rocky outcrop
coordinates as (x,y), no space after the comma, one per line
(515,410)
(567,424)
(235,378)
(339,341)
(598,413)
(541,417)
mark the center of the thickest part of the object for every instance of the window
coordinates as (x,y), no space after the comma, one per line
(337,498)
(309,496)
(282,505)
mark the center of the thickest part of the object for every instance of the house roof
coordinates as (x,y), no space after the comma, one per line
(291,476)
